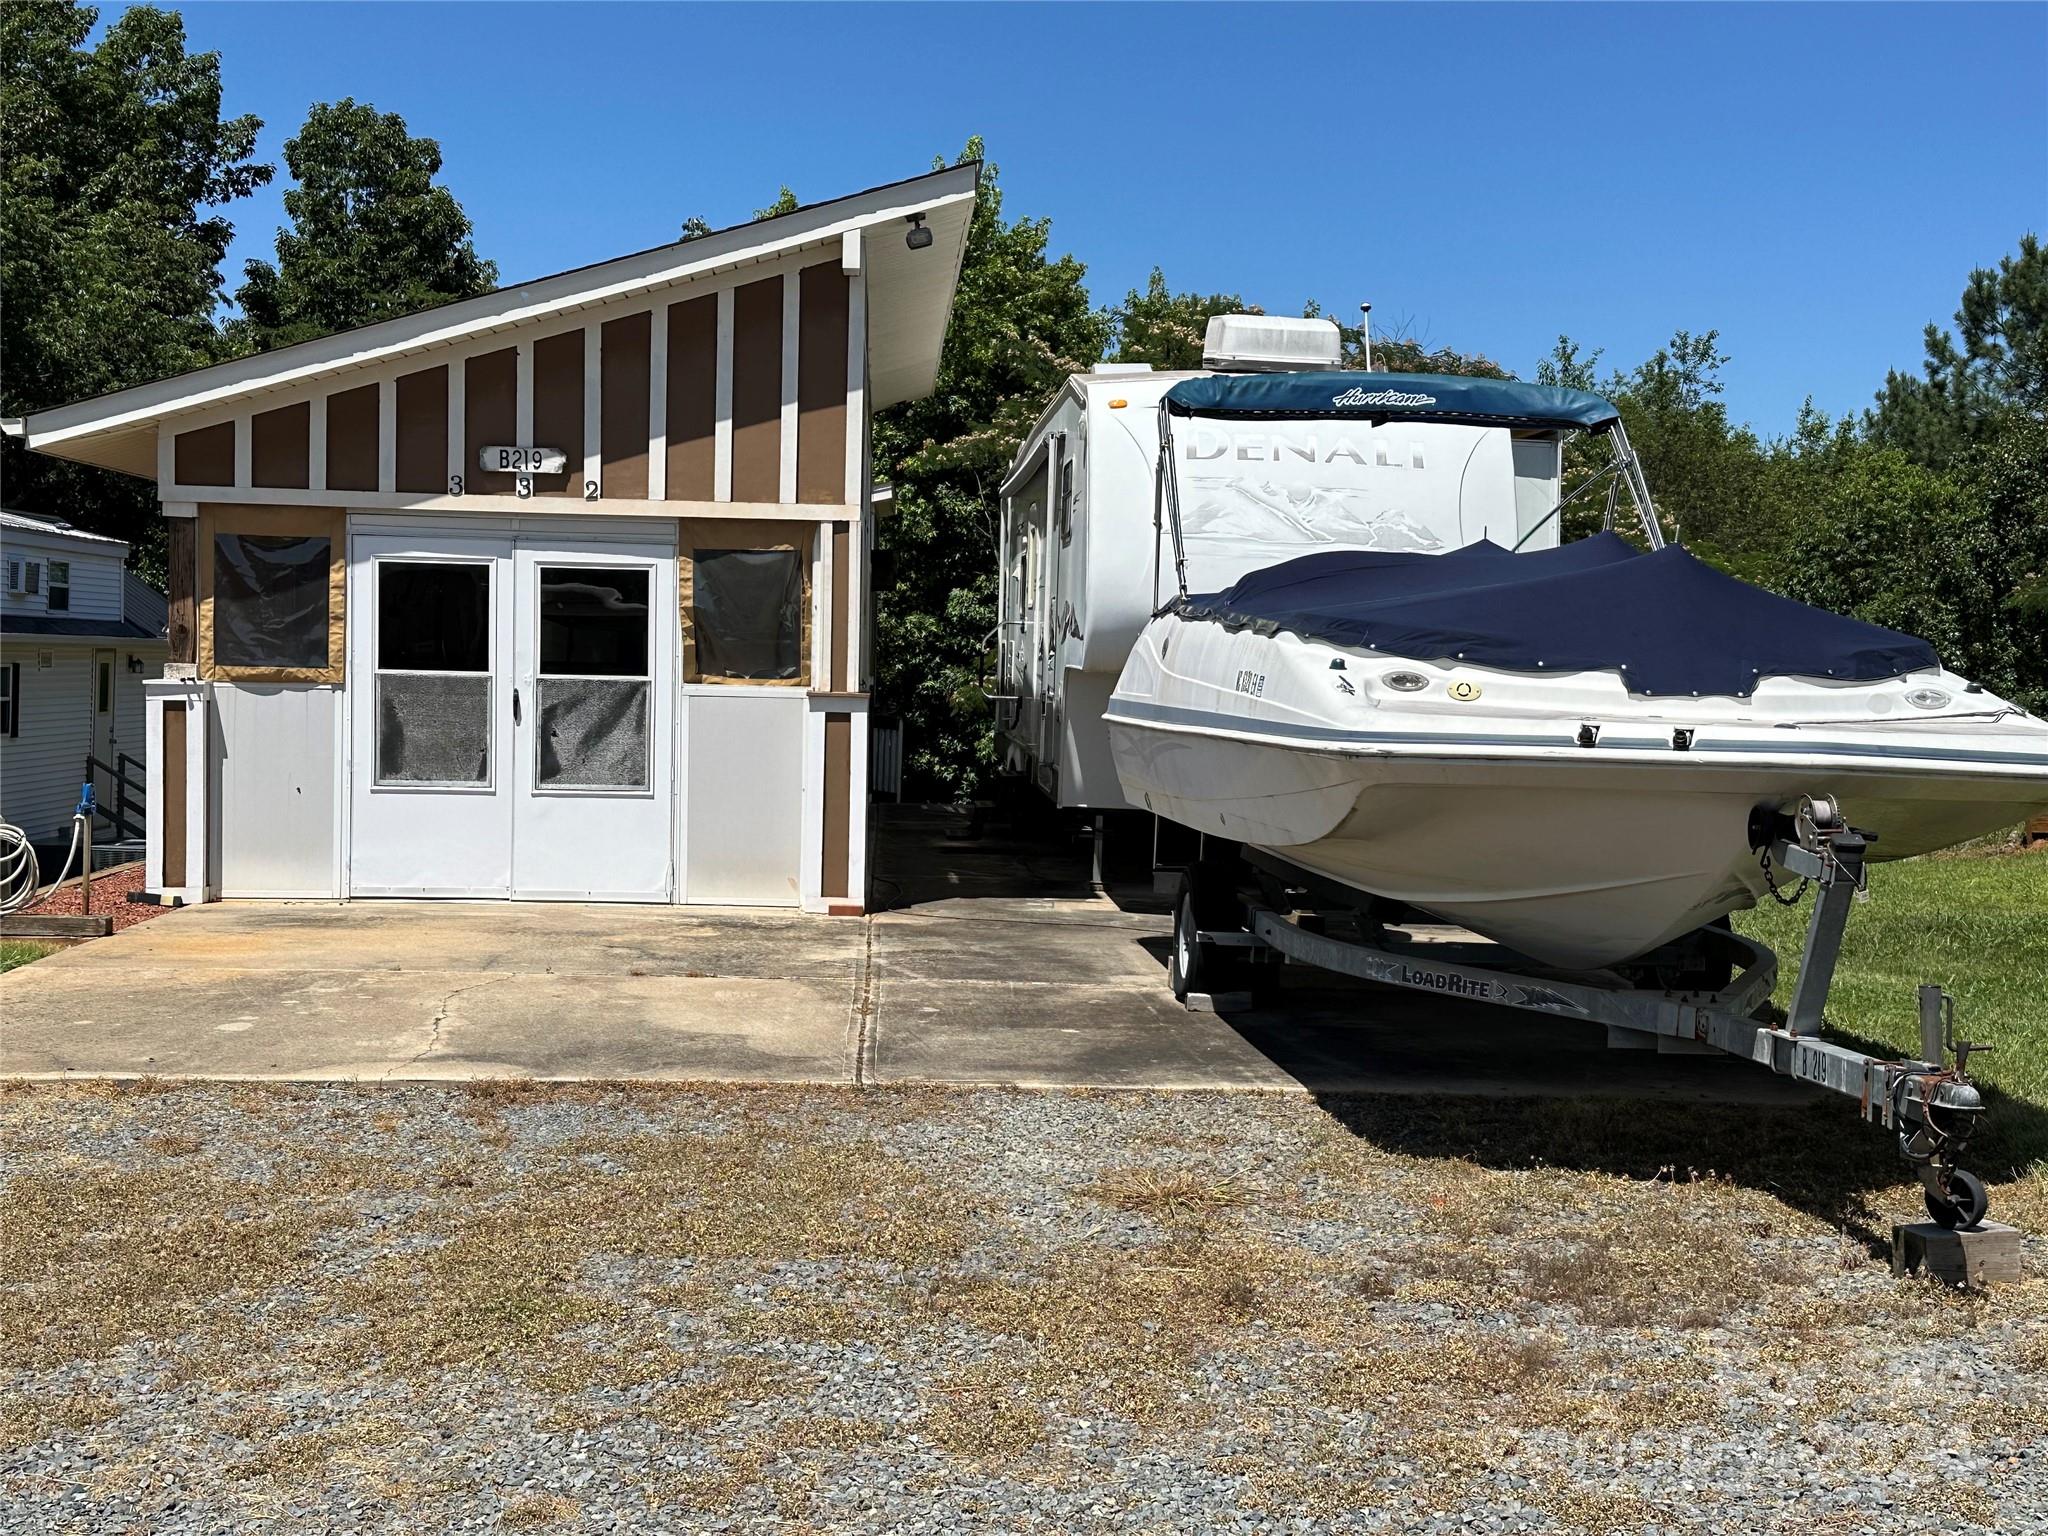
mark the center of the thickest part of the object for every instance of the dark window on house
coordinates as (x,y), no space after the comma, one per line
(747,608)
(593,622)
(105,700)
(433,617)
(60,586)
(270,600)
(10,699)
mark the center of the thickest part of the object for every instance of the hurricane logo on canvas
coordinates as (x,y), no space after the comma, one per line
(1357,396)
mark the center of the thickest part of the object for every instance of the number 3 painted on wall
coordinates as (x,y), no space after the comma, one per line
(455,485)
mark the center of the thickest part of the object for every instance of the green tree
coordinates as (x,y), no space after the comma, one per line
(1397,350)
(1995,365)
(1021,323)
(371,235)
(112,159)
(1166,329)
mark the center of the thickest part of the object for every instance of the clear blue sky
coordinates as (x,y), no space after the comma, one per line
(1814,181)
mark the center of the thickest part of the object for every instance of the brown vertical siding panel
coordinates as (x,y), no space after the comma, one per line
(181,584)
(757,391)
(352,440)
(205,456)
(622,405)
(490,416)
(280,445)
(174,790)
(838,804)
(558,409)
(693,399)
(423,432)
(842,584)
(821,385)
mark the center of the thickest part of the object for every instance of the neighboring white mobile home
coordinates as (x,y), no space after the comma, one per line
(79,636)
(558,592)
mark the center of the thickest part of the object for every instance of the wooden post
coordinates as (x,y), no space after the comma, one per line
(182,581)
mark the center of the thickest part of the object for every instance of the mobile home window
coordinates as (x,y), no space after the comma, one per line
(748,612)
(270,600)
(60,586)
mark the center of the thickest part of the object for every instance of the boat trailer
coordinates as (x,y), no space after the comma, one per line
(1931,1105)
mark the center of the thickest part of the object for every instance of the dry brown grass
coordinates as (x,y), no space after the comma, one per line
(531,1511)
(1168,1196)
(792,1221)
(105,1256)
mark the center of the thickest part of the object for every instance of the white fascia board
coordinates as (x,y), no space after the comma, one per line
(448,324)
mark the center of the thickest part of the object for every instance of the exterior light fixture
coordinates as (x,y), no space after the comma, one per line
(919,237)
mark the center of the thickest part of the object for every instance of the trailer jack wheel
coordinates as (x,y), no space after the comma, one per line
(1964,1203)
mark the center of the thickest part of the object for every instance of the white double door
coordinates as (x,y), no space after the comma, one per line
(511,716)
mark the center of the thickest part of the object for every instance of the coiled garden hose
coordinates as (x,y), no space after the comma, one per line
(20,873)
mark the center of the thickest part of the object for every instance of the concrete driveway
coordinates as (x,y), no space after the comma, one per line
(993,965)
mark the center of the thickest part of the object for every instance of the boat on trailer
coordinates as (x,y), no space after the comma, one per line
(1586,756)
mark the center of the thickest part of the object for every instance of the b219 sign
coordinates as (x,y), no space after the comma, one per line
(522,464)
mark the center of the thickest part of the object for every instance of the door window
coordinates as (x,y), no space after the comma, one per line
(593,683)
(434,673)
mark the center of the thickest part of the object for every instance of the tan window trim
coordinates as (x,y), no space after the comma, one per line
(216,517)
(695,533)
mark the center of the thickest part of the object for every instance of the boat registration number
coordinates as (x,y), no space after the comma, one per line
(1253,683)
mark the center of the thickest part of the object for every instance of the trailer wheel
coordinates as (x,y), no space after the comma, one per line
(1968,1201)
(1205,899)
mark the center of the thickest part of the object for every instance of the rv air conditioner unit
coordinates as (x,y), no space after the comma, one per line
(1271,344)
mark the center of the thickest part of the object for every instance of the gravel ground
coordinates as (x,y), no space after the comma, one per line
(241,1308)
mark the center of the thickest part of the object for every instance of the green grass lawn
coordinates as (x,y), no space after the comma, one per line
(15,952)
(1976,925)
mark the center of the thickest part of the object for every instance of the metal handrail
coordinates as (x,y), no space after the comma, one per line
(129,793)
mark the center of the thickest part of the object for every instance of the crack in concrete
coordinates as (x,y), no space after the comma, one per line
(434,1026)
(863,1039)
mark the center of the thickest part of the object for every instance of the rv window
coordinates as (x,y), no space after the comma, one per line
(747,618)
(270,600)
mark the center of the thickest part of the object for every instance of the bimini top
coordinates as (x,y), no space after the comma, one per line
(1380,396)
(1669,623)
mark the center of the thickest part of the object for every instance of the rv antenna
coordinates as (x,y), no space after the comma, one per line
(1365,309)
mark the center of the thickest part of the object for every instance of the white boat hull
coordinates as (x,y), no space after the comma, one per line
(1498,820)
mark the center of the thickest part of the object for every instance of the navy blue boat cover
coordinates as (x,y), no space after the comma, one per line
(1379,396)
(1670,623)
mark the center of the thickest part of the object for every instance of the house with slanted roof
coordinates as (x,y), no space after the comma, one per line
(560,592)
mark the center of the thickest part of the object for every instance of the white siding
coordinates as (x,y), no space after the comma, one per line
(43,766)
(95,573)
(272,784)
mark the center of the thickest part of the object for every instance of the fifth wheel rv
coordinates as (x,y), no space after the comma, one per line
(1086,560)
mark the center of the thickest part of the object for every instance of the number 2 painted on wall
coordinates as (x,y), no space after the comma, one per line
(590,490)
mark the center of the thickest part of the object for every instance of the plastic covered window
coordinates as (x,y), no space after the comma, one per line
(270,600)
(747,608)
(433,728)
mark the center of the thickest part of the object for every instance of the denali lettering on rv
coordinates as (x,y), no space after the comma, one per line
(1203,444)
